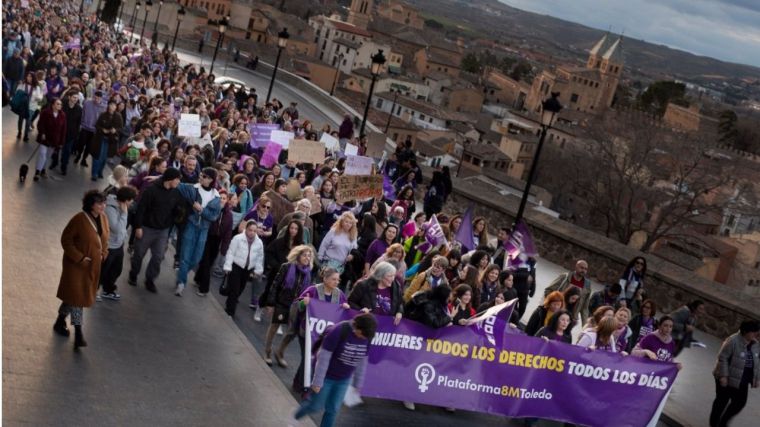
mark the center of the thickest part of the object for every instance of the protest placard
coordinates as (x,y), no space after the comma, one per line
(282,138)
(357,187)
(189,125)
(375,145)
(294,190)
(271,153)
(260,133)
(305,151)
(351,150)
(280,205)
(331,142)
(25,4)
(358,165)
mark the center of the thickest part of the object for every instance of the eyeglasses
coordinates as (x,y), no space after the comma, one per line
(267,207)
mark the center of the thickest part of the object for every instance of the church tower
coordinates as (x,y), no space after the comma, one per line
(360,13)
(607,57)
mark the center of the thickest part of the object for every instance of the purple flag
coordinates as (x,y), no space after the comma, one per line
(464,234)
(477,368)
(388,191)
(433,235)
(519,247)
(271,153)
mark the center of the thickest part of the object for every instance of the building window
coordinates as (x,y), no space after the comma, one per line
(379,103)
(422,116)
(574,98)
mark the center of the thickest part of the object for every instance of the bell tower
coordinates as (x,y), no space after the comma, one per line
(360,13)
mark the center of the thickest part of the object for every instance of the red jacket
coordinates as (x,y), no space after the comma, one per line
(54,128)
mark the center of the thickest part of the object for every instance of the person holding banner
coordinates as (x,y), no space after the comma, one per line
(326,291)
(461,305)
(601,337)
(379,293)
(659,345)
(557,329)
(553,303)
(343,355)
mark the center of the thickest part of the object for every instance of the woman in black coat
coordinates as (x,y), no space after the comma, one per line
(430,307)
(292,279)
(379,293)
(275,255)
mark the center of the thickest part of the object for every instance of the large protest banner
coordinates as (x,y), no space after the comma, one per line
(260,134)
(305,151)
(482,368)
(355,187)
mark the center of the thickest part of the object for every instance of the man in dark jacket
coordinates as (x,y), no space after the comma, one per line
(153,220)
(13,70)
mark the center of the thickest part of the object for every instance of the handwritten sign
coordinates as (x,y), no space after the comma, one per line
(261,133)
(375,145)
(355,187)
(358,165)
(189,125)
(75,43)
(282,138)
(351,150)
(271,154)
(305,151)
(331,142)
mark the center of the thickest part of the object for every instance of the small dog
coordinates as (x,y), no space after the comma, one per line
(22,172)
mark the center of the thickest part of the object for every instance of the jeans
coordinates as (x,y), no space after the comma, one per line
(329,398)
(191,250)
(24,123)
(100,163)
(156,240)
(66,152)
(728,403)
(111,269)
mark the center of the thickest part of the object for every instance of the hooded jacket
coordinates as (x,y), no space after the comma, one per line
(117,223)
(430,307)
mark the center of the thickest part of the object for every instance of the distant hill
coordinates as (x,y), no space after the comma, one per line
(497,20)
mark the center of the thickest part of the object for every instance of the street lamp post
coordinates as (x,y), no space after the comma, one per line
(121,17)
(148,5)
(551,107)
(282,42)
(222,28)
(133,21)
(393,107)
(81,7)
(378,60)
(337,73)
(180,17)
(154,37)
(97,11)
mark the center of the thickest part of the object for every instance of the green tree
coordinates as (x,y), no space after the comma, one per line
(521,71)
(471,63)
(505,64)
(432,23)
(727,127)
(660,93)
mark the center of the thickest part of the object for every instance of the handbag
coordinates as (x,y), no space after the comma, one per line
(224,289)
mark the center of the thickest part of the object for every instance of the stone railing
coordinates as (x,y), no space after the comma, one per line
(563,243)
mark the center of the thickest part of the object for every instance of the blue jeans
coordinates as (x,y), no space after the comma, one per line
(100,163)
(191,249)
(66,152)
(330,397)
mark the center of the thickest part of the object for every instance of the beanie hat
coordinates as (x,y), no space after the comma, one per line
(170,174)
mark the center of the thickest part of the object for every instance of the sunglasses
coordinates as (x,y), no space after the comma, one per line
(267,207)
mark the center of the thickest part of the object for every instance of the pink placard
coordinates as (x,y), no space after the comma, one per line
(271,154)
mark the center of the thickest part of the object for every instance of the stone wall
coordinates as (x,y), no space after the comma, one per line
(563,243)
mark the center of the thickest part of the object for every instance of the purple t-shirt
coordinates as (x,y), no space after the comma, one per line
(646,328)
(654,344)
(265,224)
(383,302)
(311,292)
(376,250)
(346,354)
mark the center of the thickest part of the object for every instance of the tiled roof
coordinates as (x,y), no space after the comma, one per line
(348,28)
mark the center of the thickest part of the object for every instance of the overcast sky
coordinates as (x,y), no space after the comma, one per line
(724,29)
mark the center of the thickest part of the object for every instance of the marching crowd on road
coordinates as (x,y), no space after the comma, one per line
(84,93)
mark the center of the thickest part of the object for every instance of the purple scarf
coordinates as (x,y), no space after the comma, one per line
(290,277)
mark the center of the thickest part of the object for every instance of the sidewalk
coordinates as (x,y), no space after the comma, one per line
(151,359)
(692,395)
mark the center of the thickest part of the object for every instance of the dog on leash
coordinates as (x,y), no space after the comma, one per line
(22,172)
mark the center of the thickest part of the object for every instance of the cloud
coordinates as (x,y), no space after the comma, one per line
(724,29)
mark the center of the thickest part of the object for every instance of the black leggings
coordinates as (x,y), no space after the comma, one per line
(236,280)
(729,401)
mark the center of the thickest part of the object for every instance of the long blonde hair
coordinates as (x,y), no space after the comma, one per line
(338,226)
(297,251)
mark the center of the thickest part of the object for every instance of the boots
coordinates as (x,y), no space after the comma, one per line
(60,326)
(78,337)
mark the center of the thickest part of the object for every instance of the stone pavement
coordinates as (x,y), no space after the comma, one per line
(151,359)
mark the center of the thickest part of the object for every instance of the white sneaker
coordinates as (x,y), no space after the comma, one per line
(409,405)
(180,288)
(279,330)
(98,298)
(257,314)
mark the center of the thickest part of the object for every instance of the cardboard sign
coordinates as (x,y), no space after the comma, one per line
(282,138)
(305,151)
(375,145)
(271,154)
(25,4)
(356,187)
(358,165)
(294,190)
(280,206)
(189,125)
(331,142)
(351,150)
(261,133)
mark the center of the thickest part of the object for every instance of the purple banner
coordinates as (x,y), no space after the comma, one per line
(260,133)
(479,368)
(519,247)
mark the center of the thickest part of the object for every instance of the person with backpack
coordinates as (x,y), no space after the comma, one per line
(341,356)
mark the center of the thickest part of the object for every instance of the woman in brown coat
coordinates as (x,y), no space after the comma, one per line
(51,134)
(85,246)
(104,143)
